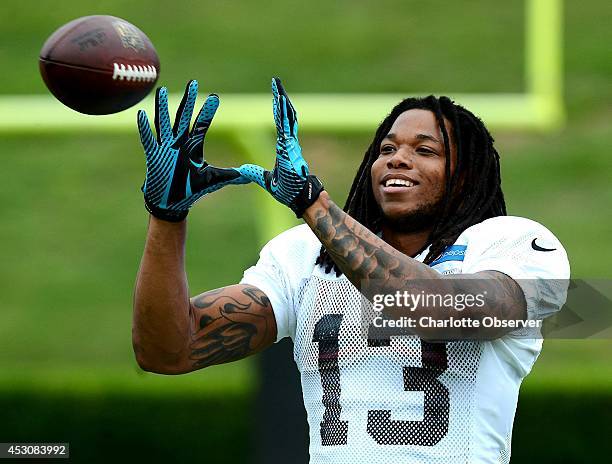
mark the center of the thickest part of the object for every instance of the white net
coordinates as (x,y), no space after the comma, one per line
(399,400)
(403,399)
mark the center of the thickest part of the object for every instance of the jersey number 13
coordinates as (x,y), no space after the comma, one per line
(427,432)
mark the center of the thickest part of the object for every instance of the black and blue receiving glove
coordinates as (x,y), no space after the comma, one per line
(289,182)
(177,174)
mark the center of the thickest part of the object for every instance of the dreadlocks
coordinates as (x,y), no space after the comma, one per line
(478,196)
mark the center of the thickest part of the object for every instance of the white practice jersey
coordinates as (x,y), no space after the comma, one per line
(408,401)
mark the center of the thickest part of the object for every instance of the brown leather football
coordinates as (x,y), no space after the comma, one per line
(99,64)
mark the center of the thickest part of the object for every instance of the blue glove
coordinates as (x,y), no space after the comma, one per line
(289,182)
(177,174)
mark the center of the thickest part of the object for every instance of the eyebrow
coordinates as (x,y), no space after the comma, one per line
(428,137)
(393,137)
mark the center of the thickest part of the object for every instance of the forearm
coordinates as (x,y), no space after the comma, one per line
(378,269)
(161,322)
(364,258)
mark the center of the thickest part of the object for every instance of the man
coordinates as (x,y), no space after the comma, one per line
(425,215)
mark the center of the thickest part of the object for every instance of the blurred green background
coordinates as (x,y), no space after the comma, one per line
(74,226)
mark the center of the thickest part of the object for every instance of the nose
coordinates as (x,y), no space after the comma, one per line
(401,159)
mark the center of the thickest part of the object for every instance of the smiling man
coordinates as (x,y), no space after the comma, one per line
(425,215)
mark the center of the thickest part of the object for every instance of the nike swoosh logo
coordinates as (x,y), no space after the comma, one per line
(536,247)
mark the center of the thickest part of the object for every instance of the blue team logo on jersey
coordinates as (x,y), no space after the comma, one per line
(452,253)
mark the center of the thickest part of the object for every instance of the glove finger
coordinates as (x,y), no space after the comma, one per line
(213,176)
(208,180)
(276,107)
(162,117)
(185,109)
(146,134)
(228,175)
(206,114)
(254,173)
(289,115)
(196,138)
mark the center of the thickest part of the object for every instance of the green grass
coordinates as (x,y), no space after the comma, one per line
(75,238)
(79,226)
(316,46)
(95,379)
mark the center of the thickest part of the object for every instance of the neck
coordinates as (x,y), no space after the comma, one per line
(409,243)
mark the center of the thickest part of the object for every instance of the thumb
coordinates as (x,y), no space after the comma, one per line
(254,173)
(212,178)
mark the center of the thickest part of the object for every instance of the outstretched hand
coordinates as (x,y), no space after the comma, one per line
(290,181)
(177,173)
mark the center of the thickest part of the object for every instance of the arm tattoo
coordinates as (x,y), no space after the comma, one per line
(230,325)
(375,267)
(498,287)
(361,255)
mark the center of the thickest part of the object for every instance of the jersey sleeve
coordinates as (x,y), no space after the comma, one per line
(268,275)
(527,252)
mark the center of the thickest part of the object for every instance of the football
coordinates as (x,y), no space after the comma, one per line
(99,64)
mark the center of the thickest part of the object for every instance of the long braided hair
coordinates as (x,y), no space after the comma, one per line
(478,196)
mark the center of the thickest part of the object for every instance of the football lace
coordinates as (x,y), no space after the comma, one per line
(134,73)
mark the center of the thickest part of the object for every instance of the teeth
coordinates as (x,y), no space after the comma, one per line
(398,183)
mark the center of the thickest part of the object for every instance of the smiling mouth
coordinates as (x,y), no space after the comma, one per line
(398,183)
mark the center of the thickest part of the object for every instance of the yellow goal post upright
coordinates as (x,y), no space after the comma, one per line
(246,118)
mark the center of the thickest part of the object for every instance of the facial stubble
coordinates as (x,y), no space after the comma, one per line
(423,217)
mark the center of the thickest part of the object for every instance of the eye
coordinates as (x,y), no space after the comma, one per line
(387,149)
(426,151)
